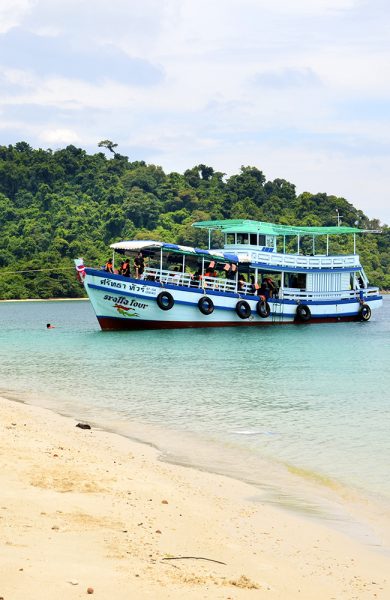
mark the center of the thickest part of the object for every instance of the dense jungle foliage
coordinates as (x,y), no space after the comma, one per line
(58,205)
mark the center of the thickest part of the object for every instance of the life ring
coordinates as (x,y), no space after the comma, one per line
(303,313)
(365,312)
(206,305)
(165,300)
(263,309)
(243,309)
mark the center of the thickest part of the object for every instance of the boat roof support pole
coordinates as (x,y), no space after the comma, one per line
(161,256)
(354,243)
(209,239)
(327,245)
(284,244)
(314,246)
(113,260)
(298,241)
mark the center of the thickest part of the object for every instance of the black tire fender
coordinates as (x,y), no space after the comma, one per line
(165,301)
(303,313)
(206,305)
(263,309)
(243,309)
(365,312)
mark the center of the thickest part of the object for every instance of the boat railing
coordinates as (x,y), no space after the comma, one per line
(295,294)
(218,284)
(166,276)
(277,259)
(187,280)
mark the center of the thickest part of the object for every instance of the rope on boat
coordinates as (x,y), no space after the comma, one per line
(36,270)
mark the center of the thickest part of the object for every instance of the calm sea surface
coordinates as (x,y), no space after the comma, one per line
(313,401)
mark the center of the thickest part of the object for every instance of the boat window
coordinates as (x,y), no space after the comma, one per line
(295,280)
(253,239)
(230,238)
(262,240)
(242,238)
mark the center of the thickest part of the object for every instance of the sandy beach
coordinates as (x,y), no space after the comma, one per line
(86,509)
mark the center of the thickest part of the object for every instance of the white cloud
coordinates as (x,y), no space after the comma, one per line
(12,12)
(294,86)
(59,136)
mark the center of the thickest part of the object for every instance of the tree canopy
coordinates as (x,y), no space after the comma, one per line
(59,205)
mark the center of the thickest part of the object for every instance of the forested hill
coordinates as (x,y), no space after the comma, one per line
(58,205)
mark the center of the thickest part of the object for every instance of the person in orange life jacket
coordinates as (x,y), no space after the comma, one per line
(125,268)
(210,271)
(109,266)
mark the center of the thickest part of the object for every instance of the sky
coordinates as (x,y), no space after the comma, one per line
(299,89)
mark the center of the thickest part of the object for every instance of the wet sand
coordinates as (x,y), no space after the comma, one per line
(86,509)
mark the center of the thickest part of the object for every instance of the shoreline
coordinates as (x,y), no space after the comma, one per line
(359,515)
(91,508)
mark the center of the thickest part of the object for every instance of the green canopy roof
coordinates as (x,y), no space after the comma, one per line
(248,226)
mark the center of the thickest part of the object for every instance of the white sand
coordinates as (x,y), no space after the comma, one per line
(83,509)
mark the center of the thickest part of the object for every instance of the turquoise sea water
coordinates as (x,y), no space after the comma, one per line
(249,402)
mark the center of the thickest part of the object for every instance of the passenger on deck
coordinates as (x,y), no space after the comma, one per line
(231,273)
(109,266)
(139,265)
(125,268)
(241,282)
(210,271)
(263,290)
(226,268)
(195,280)
(253,289)
(271,286)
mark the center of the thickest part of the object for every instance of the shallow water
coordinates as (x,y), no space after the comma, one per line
(239,401)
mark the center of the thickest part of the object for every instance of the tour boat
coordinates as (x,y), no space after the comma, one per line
(265,274)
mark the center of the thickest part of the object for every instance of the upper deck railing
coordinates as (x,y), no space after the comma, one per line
(278,259)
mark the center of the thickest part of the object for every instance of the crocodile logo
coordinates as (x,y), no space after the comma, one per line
(123,310)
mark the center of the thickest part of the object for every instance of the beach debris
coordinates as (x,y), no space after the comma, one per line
(73,582)
(164,501)
(244,582)
(195,558)
(158,531)
(83,426)
(90,590)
